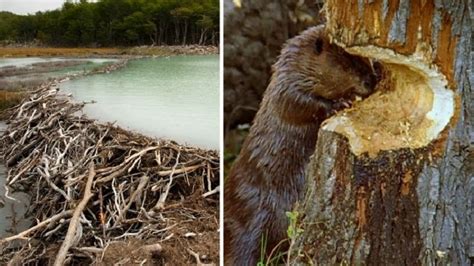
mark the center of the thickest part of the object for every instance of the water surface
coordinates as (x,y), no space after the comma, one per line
(174,98)
(12,219)
(27,61)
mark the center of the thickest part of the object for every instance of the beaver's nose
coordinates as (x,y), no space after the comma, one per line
(378,70)
(370,81)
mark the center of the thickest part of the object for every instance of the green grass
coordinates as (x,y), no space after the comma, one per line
(276,257)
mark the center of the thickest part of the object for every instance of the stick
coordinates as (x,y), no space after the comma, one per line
(71,231)
(161,201)
(188,169)
(51,219)
(198,260)
(212,192)
(143,181)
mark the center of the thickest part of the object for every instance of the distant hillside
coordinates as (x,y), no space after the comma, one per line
(8,22)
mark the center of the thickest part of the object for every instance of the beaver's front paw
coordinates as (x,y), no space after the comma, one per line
(341,104)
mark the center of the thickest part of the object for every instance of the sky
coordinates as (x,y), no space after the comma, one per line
(24,7)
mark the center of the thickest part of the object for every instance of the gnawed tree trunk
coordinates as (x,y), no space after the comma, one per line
(391,181)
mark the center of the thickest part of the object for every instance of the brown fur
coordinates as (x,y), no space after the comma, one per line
(309,79)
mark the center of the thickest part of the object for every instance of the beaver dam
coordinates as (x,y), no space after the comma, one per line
(104,195)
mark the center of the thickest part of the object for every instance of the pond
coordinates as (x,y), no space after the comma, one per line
(168,97)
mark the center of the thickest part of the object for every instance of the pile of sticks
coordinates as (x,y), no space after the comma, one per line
(91,183)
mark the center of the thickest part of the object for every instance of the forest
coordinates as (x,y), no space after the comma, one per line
(117,23)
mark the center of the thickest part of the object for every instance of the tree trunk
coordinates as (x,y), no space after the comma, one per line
(202,39)
(392,179)
(163,30)
(185,34)
(176,28)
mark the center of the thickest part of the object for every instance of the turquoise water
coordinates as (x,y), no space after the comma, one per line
(173,98)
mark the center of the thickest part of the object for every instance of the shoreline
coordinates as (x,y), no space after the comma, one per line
(13,92)
(113,52)
(19,94)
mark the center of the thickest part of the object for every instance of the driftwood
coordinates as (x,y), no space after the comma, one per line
(138,190)
(71,231)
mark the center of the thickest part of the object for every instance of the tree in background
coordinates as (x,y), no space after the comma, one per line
(117,22)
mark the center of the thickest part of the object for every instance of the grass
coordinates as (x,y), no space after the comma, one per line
(78,52)
(276,257)
(9,99)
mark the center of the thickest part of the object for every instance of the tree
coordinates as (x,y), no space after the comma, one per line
(391,181)
(117,22)
(183,14)
(8,23)
(205,23)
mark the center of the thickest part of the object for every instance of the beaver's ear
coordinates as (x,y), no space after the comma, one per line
(318,46)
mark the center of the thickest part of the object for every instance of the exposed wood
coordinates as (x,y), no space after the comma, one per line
(391,181)
(74,223)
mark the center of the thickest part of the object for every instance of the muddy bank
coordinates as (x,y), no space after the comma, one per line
(134,199)
(173,50)
(40,67)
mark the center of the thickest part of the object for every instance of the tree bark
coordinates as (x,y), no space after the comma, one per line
(409,204)
(185,31)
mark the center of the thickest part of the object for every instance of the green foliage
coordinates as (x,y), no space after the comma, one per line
(263,248)
(293,231)
(117,22)
(276,257)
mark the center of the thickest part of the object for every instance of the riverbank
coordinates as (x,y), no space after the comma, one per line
(151,201)
(16,81)
(12,52)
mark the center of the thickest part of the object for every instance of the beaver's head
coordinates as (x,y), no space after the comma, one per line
(324,68)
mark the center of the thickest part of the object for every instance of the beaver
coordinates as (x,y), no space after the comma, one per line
(311,79)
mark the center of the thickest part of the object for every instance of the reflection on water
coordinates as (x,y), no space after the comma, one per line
(175,98)
(11,212)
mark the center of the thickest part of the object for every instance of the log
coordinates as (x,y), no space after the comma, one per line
(390,182)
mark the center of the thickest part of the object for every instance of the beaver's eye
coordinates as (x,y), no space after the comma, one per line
(318,46)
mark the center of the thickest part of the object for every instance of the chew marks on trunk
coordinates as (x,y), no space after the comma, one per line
(363,202)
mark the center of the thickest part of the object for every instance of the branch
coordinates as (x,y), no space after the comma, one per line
(71,231)
(23,234)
